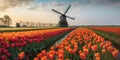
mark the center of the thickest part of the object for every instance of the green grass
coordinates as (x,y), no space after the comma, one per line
(24,29)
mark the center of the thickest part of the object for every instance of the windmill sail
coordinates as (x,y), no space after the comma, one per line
(67,9)
(70,17)
(57,12)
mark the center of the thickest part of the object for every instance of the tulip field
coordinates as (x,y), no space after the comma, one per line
(110,33)
(78,44)
(109,29)
(11,43)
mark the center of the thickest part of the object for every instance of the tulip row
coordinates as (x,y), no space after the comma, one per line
(109,29)
(2,30)
(80,44)
(13,42)
(111,36)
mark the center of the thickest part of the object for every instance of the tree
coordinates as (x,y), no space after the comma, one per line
(2,21)
(7,20)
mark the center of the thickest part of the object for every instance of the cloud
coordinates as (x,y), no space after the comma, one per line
(84,11)
(84,3)
(98,1)
(46,5)
(6,4)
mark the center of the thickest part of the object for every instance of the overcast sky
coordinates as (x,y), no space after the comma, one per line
(86,12)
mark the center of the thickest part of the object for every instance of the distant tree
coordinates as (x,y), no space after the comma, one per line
(28,24)
(2,20)
(32,24)
(50,24)
(7,20)
(39,24)
(20,22)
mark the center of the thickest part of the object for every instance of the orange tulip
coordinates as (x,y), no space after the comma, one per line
(61,51)
(74,51)
(79,52)
(52,52)
(89,46)
(39,55)
(44,58)
(103,51)
(52,48)
(60,59)
(51,56)
(86,51)
(94,48)
(110,48)
(70,50)
(21,55)
(61,56)
(97,56)
(36,58)
(82,56)
(43,52)
(101,45)
(115,53)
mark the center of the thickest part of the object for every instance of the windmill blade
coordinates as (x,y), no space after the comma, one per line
(67,9)
(57,12)
(70,17)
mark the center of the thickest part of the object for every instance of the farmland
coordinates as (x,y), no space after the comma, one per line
(13,29)
(109,29)
(110,33)
(80,44)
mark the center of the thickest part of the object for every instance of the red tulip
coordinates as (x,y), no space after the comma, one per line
(5,51)
(8,54)
(12,45)
(3,57)
(0,50)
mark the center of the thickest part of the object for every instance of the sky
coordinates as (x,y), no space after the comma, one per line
(85,12)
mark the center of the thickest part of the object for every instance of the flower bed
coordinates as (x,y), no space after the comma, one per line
(108,29)
(80,44)
(2,30)
(14,42)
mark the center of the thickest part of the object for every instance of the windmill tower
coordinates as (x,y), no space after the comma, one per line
(63,22)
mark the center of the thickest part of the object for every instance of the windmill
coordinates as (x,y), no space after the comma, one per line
(63,22)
